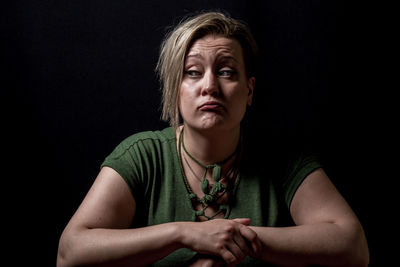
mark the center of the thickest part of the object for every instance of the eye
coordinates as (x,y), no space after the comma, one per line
(226,73)
(193,73)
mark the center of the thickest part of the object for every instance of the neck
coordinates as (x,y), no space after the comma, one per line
(211,147)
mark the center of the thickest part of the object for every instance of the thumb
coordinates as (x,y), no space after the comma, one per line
(244,221)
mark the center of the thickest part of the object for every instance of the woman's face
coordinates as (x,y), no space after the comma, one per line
(215,90)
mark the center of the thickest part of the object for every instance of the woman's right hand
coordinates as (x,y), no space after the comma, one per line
(231,240)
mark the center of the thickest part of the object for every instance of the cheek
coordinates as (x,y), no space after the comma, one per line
(188,91)
(182,96)
(239,102)
(240,96)
(185,99)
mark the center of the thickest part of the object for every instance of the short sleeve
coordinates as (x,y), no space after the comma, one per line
(127,159)
(297,171)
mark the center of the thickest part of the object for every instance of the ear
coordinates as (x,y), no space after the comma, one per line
(250,86)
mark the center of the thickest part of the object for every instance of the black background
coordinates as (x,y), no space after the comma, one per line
(79,78)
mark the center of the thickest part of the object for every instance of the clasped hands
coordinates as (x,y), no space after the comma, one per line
(221,242)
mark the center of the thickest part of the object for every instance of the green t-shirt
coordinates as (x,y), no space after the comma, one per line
(149,163)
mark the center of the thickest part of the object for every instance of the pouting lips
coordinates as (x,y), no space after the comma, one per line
(210,106)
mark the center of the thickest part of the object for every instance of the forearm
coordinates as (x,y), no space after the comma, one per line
(326,244)
(118,247)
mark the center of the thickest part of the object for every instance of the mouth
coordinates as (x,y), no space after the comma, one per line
(211,106)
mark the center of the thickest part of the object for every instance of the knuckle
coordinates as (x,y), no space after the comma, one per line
(252,236)
(248,233)
(225,237)
(229,228)
(230,259)
(219,246)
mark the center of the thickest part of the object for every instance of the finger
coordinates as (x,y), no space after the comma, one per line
(207,263)
(252,239)
(244,221)
(236,251)
(258,250)
(200,260)
(228,257)
(242,243)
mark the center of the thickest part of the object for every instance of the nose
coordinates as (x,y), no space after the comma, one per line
(210,84)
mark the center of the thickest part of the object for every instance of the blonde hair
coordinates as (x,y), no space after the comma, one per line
(171,62)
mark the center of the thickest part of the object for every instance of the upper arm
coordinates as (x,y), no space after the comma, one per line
(317,200)
(108,204)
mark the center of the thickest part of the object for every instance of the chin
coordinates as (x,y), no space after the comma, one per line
(217,125)
(212,122)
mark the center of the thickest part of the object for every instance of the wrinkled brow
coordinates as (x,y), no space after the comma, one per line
(224,57)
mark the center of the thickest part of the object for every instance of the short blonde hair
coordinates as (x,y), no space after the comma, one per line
(171,62)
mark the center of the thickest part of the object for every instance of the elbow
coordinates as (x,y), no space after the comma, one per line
(356,259)
(362,260)
(360,256)
(356,252)
(65,253)
(61,259)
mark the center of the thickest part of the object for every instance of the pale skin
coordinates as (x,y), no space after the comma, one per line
(327,232)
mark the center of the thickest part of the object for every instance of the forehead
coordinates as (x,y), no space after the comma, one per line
(215,44)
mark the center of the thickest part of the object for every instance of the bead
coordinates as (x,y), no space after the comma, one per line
(208,199)
(216,175)
(223,207)
(199,212)
(205,185)
(192,196)
(218,187)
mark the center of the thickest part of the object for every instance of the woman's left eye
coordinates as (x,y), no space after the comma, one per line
(226,73)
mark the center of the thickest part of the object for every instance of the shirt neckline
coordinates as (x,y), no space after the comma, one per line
(182,183)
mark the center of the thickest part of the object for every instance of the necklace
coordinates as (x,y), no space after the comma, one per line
(218,189)
(191,169)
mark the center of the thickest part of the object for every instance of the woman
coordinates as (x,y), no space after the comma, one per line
(190,194)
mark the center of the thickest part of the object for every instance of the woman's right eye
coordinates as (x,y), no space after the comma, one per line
(193,73)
